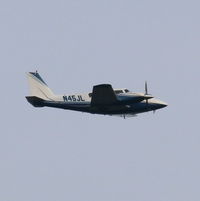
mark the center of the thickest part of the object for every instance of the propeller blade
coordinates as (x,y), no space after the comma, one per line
(147,102)
(146,93)
(146,88)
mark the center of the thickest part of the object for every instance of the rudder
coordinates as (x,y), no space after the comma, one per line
(38,87)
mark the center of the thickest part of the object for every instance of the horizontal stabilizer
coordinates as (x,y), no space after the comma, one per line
(103,95)
(35,101)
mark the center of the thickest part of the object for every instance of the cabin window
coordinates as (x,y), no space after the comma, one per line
(118,91)
(126,90)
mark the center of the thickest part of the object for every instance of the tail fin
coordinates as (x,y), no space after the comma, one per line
(38,87)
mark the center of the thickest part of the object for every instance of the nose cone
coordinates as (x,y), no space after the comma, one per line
(156,104)
(162,104)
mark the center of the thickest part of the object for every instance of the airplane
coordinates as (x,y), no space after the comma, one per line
(102,100)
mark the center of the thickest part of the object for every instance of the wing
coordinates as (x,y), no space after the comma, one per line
(103,95)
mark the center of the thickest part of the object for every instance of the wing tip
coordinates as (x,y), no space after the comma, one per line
(103,85)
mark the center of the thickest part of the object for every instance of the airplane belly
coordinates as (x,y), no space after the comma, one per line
(110,109)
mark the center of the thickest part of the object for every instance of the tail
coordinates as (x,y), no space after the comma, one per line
(39,90)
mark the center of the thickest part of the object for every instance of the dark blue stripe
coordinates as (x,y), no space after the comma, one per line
(36,74)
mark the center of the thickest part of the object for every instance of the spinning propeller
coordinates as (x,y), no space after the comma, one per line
(147,95)
(146,88)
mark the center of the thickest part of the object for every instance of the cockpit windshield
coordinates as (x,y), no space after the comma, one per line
(126,90)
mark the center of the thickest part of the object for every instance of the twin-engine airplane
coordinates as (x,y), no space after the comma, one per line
(103,99)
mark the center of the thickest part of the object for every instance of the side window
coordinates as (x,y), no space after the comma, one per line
(118,91)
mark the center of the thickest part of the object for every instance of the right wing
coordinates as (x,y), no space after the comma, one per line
(103,95)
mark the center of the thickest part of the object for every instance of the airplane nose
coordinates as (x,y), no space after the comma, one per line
(162,104)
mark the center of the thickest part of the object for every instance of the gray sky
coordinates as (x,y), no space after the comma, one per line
(49,154)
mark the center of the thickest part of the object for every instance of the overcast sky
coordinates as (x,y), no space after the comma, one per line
(56,155)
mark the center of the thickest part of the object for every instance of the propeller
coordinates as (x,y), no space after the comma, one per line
(146,92)
(146,88)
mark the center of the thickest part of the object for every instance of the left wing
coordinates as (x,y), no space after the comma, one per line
(103,95)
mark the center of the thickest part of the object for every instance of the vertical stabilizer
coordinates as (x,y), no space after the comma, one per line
(38,87)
